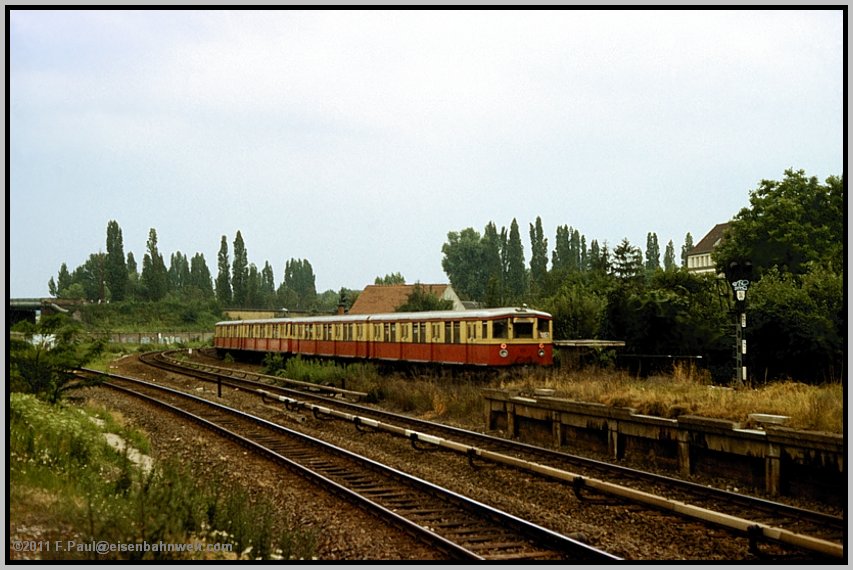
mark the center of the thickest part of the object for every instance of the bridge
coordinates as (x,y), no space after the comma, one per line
(31,309)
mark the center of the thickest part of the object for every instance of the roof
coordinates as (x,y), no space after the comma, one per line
(386,298)
(711,240)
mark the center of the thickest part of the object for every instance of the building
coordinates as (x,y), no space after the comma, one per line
(386,298)
(699,258)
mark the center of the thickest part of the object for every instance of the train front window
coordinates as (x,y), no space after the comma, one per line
(500,328)
(523,329)
(544,328)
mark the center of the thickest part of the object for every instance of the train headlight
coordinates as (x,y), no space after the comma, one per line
(541,353)
(504,353)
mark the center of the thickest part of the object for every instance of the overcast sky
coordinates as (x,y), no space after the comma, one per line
(359,139)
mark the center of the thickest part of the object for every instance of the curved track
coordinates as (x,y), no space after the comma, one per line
(457,526)
(760,520)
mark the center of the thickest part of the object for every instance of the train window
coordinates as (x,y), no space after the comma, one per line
(457,338)
(544,328)
(416,332)
(436,332)
(448,335)
(500,328)
(471,329)
(485,331)
(404,331)
(522,329)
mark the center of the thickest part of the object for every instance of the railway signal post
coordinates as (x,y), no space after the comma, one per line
(738,275)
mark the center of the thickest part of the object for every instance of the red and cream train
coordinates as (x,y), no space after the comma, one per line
(482,337)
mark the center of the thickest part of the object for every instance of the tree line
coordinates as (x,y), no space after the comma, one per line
(792,235)
(115,277)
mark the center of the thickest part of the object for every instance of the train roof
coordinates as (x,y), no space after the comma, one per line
(475,314)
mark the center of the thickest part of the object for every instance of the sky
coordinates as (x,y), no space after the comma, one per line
(358,139)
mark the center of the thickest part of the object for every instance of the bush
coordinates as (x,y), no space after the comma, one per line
(98,494)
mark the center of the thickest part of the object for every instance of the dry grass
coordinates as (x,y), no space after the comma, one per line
(687,391)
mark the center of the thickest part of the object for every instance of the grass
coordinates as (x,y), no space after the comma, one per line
(688,391)
(685,391)
(65,477)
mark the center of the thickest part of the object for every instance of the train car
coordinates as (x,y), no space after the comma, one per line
(483,337)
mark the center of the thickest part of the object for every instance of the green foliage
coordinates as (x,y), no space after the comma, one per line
(298,290)
(223,277)
(797,325)
(43,357)
(788,224)
(390,279)
(578,308)
(154,279)
(115,267)
(100,495)
(422,300)
(463,263)
(538,257)
(240,272)
(169,315)
(324,372)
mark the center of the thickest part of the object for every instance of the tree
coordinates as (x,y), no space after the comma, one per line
(788,224)
(91,276)
(132,290)
(538,256)
(669,257)
(200,282)
(422,300)
(390,279)
(599,257)
(627,260)
(797,325)
(43,360)
(179,273)
(685,249)
(516,273)
(240,272)
(492,268)
(267,287)
(223,278)
(154,278)
(298,279)
(463,263)
(652,253)
(115,267)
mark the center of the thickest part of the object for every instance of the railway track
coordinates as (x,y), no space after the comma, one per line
(759,520)
(459,527)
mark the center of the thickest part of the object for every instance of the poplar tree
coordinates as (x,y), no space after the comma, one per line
(240,272)
(560,258)
(223,277)
(115,267)
(154,278)
(669,257)
(652,253)
(200,281)
(267,286)
(492,267)
(516,274)
(538,256)
(179,272)
(685,249)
